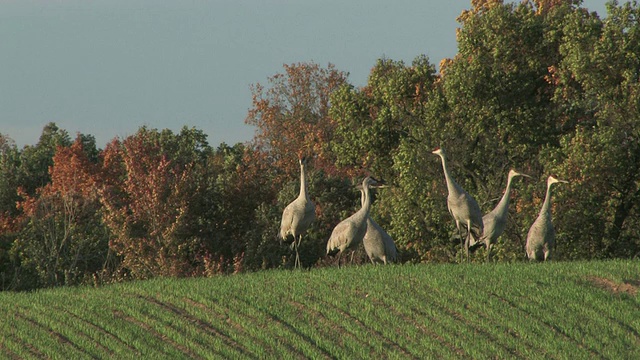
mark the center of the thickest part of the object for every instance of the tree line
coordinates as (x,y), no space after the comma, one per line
(544,87)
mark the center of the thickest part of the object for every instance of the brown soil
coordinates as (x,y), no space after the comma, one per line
(626,287)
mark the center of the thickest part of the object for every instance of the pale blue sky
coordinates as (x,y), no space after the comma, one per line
(107,67)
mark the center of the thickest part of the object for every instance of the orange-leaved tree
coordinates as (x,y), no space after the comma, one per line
(292,115)
(147,191)
(62,239)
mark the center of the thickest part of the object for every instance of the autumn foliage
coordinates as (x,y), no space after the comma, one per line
(292,116)
(146,217)
(65,216)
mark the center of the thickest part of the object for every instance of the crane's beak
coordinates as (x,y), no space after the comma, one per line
(379,183)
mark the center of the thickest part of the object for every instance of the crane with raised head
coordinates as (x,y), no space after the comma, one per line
(496,221)
(463,207)
(541,237)
(378,244)
(349,232)
(298,215)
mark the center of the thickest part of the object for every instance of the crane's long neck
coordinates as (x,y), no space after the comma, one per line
(504,202)
(303,182)
(366,200)
(547,202)
(452,186)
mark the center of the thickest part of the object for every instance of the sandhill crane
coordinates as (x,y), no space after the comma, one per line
(541,236)
(495,221)
(462,206)
(298,215)
(349,232)
(378,245)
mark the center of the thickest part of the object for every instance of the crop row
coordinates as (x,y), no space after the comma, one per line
(411,311)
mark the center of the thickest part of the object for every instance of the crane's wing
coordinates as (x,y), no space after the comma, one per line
(493,227)
(341,236)
(464,207)
(308,217)
(538,235)
(373,240)
(390,248)
(286,222)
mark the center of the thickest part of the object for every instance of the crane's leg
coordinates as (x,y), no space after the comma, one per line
(468,239)
(460,234)
(547,252)
(297,263)
(339,256)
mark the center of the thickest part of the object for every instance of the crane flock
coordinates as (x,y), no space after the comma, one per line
(474,229)
(351,231)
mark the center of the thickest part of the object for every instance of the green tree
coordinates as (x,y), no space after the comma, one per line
(243,183)
(371,121)
(491,110)
(36,160)
(9,166)
(62,239)
(598,81)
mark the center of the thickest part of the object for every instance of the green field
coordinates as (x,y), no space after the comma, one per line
(577,310)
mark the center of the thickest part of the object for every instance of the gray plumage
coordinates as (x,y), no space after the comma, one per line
(495,221)
(349,232)
(541,236)
(463,207)
(298,215)
(378,245)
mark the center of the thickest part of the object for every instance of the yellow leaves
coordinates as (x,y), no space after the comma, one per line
(543,6)
(477,7)
(444,63)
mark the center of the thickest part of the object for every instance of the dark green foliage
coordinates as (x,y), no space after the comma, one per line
(373,120)
(9,180)
(36,160)
(598,79)
(63,243)
(542,90)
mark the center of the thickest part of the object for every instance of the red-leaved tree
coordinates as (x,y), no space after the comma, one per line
(62,239)
(292,116)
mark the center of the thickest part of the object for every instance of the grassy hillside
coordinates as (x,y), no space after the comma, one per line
(557,310)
